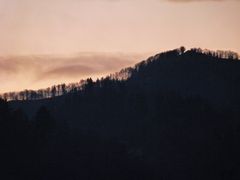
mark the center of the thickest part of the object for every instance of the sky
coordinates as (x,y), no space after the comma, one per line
(47,42)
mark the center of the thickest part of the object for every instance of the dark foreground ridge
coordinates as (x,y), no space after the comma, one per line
(173,116)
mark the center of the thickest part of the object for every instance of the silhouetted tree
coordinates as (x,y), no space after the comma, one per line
(40,94)
(182,49)
(53,91)
(63,89)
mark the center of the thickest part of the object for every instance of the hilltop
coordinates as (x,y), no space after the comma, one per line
(173,116)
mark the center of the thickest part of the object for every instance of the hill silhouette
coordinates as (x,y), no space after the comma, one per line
(173,116)
(210,75)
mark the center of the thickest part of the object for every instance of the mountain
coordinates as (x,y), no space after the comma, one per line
(173,116)
(209,75)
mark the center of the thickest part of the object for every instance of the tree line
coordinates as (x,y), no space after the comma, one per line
(50,92)
(149,126)
(124,74)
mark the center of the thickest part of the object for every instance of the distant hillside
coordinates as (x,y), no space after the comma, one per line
(124,74)
(174,116)
(211,75)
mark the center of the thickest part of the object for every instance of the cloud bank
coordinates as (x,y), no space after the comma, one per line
(34,72)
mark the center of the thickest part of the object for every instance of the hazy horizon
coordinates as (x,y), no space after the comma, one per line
(114,34)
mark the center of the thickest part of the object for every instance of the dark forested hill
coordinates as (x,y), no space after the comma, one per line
(174,116)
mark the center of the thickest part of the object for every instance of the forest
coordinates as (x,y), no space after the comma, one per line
(173,116)
(62,89)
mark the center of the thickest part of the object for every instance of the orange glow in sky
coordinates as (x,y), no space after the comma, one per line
(67,27)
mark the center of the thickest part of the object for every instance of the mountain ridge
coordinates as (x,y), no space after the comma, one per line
(121,75)
(176,117)
(195,72)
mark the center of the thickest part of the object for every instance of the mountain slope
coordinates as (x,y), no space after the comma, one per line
(175,117)
(189,74)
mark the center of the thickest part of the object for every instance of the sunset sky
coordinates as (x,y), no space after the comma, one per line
(46,42)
